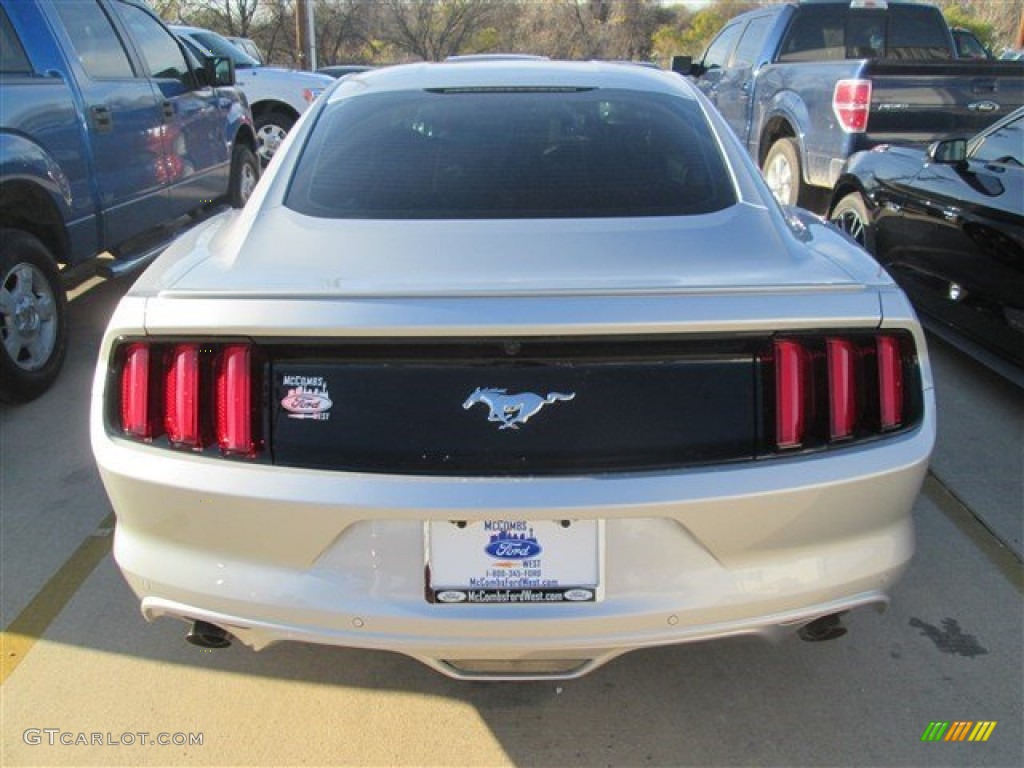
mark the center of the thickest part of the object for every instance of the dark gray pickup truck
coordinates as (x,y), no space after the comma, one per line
(805,85)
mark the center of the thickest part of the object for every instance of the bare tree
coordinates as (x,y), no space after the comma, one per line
(175,11)
(276,34)
(344,31)
(434,29)
(634,23)
(236,15)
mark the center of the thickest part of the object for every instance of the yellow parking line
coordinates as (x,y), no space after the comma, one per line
(85,287)
(28,626)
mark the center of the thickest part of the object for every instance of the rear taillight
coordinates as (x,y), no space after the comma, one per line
(135,410)
(890,382)
(181,396)
(791,393)
(234,401)
(862,377)
(842,387)
(851,104)
(186,394)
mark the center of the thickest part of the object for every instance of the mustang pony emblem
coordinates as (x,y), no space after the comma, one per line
(512,410)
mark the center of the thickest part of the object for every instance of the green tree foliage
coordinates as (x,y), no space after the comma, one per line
(691,32)
(703,27)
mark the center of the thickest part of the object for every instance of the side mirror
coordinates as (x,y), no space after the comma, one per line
(683,65)
(218,71)
(949,152)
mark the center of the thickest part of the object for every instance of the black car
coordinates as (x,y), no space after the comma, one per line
(948,224)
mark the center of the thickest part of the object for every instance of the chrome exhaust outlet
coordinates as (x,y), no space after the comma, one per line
(207,636)
(821,629)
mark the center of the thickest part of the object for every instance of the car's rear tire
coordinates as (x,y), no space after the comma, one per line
(783,173)
(271,129)
(851,216)
(33,317)
(245,172)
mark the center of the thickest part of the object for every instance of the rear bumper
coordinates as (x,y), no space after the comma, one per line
(497,658)
(275,553)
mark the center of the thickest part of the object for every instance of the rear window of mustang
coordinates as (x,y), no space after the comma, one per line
(526,153)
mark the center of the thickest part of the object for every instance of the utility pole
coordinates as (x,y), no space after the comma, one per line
(311,33)
(305,34)
(301,28)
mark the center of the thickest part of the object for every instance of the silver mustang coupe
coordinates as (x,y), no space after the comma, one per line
(512,367)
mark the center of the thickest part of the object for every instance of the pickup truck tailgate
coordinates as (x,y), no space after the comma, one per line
(923,101)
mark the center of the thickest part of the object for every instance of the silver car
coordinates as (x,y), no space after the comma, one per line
(512,367)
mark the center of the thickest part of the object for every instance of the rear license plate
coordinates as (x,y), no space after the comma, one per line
(515,561)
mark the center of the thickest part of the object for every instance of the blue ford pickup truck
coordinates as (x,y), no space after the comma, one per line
(109,130)
(805,85)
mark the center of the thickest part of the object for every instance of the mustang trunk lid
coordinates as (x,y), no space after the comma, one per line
(288,254)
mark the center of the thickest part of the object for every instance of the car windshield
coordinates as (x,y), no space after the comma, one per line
(213,44)
(518,153)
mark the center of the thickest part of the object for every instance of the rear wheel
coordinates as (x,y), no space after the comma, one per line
(245,172)
(782,171)
(851,216)
(271,128)
(33,321)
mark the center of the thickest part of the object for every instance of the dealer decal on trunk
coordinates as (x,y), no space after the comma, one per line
(307,398)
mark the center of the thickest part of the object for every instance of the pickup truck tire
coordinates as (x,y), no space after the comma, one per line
(33,317)
(851,216)
(271,128)
(783,173)
(245,172)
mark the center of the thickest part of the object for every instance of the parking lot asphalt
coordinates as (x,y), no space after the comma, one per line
(87,668)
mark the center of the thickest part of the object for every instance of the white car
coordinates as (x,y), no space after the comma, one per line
(512,367)
(276,96)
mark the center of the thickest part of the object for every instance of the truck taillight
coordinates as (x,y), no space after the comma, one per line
(184,395)
(851,104)
(863,377)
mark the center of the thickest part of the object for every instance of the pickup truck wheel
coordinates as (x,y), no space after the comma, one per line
(851,216)
(245,172)
(271,128)
(782,171)
(33,321)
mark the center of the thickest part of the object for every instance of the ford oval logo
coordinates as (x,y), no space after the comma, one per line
(306,403)
(451,596)
(983,106)
(514,549)
(576,595)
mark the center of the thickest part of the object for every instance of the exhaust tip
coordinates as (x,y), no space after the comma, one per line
(820,630)
(207,636)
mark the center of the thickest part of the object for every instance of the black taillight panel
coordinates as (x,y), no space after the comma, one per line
(730,399)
